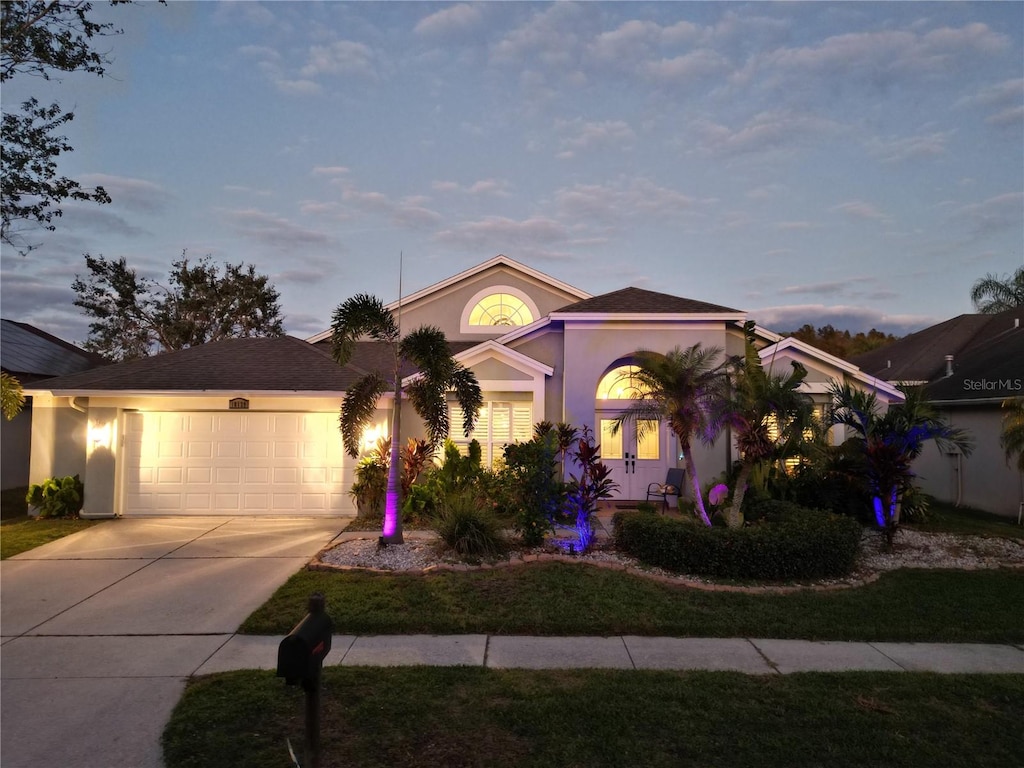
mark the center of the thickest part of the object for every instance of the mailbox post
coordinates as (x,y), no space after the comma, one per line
(300,658)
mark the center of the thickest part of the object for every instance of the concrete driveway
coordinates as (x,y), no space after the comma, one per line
(101,629)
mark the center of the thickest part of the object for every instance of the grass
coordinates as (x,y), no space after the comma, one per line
(943,517)
(462,717)
(20,533)
(569,599)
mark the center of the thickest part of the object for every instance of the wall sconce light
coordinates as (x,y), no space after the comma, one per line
(371,435)
(100,435)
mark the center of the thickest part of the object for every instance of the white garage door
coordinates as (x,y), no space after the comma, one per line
(237,463)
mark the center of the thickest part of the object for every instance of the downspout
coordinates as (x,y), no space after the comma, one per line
(959,478)
(73,402)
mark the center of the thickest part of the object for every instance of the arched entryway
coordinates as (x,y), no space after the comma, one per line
(638,453)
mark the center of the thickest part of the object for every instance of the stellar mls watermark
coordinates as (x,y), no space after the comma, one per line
(994,385)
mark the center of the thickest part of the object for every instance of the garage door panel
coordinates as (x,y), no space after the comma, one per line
(234,463)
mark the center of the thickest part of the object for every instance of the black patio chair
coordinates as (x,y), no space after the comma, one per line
(673,486)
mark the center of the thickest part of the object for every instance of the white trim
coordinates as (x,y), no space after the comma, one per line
(494,349)
(250,393)
(522,331)
(812,352)
(465,327)
(658,318)
(499,260)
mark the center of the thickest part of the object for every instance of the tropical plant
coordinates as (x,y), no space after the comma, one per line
(684,388)
(768,414)
(12,397)
(534,492)
(57,496)
(1012,437)
(588,488)
(438,373)
(889,441)
(565,437)
(467,528)
(993,294)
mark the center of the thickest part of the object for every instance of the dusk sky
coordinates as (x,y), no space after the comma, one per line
(859,164)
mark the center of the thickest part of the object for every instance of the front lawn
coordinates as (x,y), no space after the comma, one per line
(943,517)
(570,599)
(20,534)
(455,717)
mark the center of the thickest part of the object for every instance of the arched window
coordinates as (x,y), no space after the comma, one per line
(500,309)
(621,384)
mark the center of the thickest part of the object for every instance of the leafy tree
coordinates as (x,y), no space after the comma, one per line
(889,441)
(685,388)
(134,316)
(1012,437)
(842,343)
(757,401)
(12,397)
(426,348)
(40,38)
(993,294)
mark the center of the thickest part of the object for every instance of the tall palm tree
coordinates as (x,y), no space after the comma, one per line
(683,388)
(757,402)
(993,294)
(890,441)
(1012,438)
(438,373)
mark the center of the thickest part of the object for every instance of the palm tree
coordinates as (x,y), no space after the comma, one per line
(425,348)
(1012,438)
(12,397)
(890,441)
(757,402)
(682,387)
(993,294)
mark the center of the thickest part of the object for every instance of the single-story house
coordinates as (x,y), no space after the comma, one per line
(31,355)
(969,365)
(249,426)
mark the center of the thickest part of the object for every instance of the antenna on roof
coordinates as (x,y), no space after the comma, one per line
(400,259)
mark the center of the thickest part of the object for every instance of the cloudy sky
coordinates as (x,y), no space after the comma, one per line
(859,164)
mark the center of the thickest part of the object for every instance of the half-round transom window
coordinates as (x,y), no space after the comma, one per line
(501,309)
(621,384)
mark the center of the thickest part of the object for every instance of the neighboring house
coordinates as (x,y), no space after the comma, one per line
(249,426)
(969,365)
(31,355)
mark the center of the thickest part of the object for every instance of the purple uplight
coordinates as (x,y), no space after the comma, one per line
(391,515)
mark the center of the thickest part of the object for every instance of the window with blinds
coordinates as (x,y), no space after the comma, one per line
(498,424)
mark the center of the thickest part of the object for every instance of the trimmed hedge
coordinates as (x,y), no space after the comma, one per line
(798,544)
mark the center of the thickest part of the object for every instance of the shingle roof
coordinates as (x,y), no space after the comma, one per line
(377,356)
(261,364)
(921,356)
(991,367)
(639,301)
(31,354)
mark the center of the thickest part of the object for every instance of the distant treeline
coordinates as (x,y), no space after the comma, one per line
(842,343)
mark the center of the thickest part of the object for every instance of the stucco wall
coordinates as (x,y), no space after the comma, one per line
(16,447)
(444,309)
(985,480)
(59,438)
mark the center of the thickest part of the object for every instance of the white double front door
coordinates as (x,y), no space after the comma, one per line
(637,454)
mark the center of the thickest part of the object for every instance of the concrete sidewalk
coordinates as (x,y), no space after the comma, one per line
(749,655)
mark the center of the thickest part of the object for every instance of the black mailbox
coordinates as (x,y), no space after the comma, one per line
(301,654)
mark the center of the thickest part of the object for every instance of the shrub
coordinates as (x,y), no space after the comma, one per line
(534,492)
(800,544)
(468,529)
(57,496)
